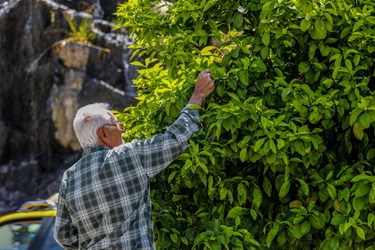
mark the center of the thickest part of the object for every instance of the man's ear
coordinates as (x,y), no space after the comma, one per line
(102,136)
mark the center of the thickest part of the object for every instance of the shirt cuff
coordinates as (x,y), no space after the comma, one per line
(192,111)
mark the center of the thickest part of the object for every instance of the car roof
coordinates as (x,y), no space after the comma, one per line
(33,210)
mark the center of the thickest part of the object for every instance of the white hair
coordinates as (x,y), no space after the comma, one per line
(88,120)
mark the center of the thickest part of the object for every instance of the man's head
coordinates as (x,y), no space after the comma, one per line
(95,125)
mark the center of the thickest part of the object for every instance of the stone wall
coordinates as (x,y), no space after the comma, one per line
(45,76)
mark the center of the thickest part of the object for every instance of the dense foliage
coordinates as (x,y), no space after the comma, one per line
(286,156)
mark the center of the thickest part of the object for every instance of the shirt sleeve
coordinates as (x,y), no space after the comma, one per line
(65,233)
(157,153)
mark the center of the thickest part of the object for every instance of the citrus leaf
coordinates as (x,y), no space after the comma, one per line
(358,131)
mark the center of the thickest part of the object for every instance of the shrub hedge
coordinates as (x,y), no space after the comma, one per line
(286,156)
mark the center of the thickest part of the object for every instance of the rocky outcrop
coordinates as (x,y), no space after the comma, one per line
(45,76)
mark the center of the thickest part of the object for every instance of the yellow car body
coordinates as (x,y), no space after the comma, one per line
(27,215)
(30,227)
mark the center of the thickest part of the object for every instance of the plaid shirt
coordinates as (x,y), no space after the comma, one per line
(104,198)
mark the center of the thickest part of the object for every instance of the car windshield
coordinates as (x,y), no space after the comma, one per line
(28,234)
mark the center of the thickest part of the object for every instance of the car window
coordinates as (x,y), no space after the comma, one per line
(44,238)
(18,235)
(49,243)
(28,235)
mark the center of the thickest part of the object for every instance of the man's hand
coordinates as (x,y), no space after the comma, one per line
(203,87)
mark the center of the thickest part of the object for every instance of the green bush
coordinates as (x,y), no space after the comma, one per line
(286,156)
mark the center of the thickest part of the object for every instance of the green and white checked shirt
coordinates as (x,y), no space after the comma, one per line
(104,198)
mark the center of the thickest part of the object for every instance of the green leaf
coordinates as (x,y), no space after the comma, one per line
(241,194)
(185,241)
(345,32)
(190,233)
(350,51)
(285,95)
(357,59)
(223,193)
(227,123)
(203,236)
(354,115)
(305,227)
(328,83)
(280,143)
(233,96)
(370,154)
(358,131)
(295,231)
(335,57)
(137,63)
(244,77)
(295,204)
(344,194)
(358,203)
(204,167)
(282,238)
(257,197)
(324,49)
(268,6)
(213,245)
(304,187)
(258,144)
(221,239)
(213,24)
(230,196)
(243,155)
(253,214)
(174,237)
(267,186)
(362,190)
(235,212)
(264,52)
(303,67)
(238,20)
(358,24)
(371,195)
(258,65)
(171,176)
(316,221)
(328,21)
(338,219)
(331,191)
(362,176)
(266,38)
(266,148)
(273,146)
(348,65)
(312,50)
(361,233)
(370,219)
(365,120)
(284,190)
(253,242)
(320,29)
(299,147)
(305,25)
(271,235)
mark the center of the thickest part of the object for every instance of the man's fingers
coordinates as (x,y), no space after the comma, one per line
(206,71)
(205,83)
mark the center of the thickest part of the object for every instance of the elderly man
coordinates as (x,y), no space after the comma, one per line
(104,198)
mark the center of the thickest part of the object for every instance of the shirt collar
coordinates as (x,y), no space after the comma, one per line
(88,151)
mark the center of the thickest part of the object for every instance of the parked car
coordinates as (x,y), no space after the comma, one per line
(30,227)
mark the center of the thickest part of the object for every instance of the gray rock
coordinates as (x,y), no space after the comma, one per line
(45,76)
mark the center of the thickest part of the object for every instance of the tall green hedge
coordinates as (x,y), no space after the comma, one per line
(286,156)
